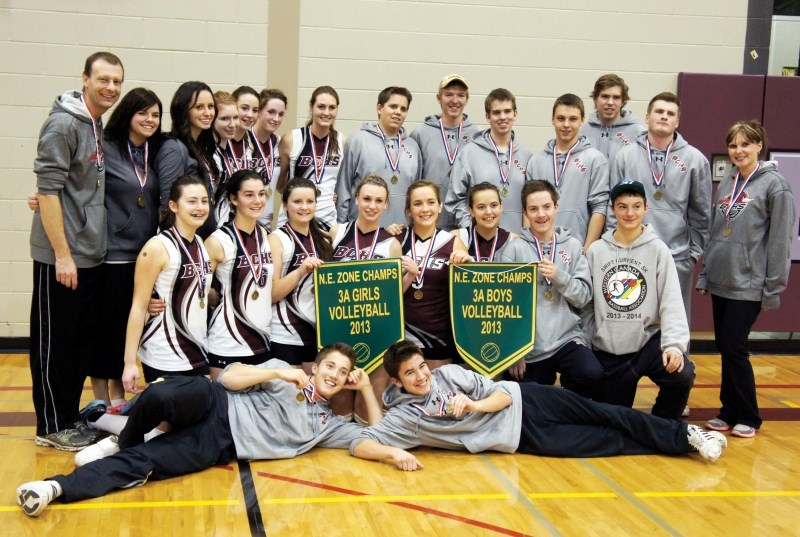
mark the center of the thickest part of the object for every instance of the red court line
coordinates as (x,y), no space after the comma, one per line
(426,510)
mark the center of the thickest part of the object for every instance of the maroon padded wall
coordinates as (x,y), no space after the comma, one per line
(782,113)
(710,104)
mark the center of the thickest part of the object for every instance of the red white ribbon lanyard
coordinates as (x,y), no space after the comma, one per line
(201,269)
(478,249)
(540,252)
(98,147)
(142,178)
(440,407)
(269,164)
(232,156)
(735,195)
(503,173)
(657,178)
(313,252)
(451,157)
(418,279)
(319,171)
(558,171)
(243,163)
(223,156)
(311,394)
(256,273)
(371,248)
(212,177)
(393,163)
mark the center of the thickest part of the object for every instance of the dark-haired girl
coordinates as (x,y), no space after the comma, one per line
(134,196)
(239,250)
(298,247)
(314,152)
(193,112)
(175,265)
(265,158)
(484,237)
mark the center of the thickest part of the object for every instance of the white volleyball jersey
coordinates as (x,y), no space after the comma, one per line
(176,340)
(240,326)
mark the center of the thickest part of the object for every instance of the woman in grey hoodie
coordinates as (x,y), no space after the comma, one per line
(746,267)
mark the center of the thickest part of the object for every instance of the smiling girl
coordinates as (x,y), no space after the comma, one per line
(314,152)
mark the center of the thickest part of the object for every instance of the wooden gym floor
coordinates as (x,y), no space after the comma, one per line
(754,489)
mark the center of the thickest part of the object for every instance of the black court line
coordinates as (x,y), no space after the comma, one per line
(257,528)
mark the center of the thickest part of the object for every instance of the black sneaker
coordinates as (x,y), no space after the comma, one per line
(92,411)
(69,439)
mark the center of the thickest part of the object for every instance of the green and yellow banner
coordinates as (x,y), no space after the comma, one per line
(360,303)
(493,311)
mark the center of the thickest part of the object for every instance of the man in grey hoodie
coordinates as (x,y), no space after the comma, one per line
(640,324)
(269,411)
(68,243)
(441,137)
(380,149)
(496,156)
(452,408)
(611,128)
(677,181)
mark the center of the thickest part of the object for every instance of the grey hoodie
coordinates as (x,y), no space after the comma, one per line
(584,184)
(636,294)
(477,163)
(753,262)
(365,154)
(610,139)
(556,320)
(65,165)
(436,164)
(682,217)
(406,426)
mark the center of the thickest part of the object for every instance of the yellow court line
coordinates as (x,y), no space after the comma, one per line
(359,499)
(721,494)
(571,495)
(130,505)
(790,404)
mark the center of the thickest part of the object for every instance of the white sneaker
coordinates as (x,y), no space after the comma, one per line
(718,437)
(104,448)
(706,443)
(33,497)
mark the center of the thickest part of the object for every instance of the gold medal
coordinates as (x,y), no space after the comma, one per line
(449,408)
(255,295)
(726,232)
(269,192)
(394,179)
(548,295)
(418,294)
(504,192)
(300,397)
(140,201)
(202,303)
(658,195)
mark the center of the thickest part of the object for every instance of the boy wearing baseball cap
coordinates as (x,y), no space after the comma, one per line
(640,323)
(442,136)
